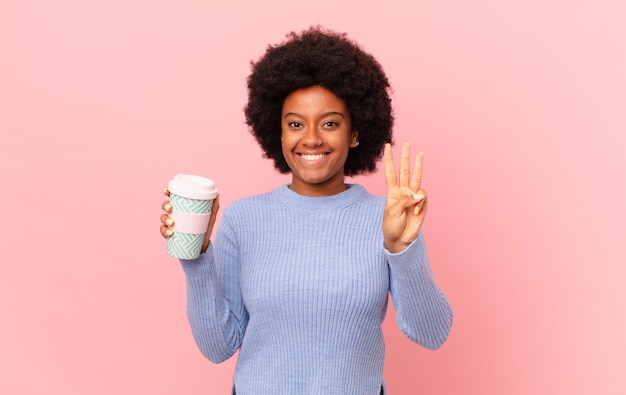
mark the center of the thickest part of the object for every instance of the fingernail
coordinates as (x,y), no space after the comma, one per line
(169,232)
(418,196)
(169,222)
(168,207)
(416,210)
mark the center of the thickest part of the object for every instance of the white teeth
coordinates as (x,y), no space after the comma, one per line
(312,157)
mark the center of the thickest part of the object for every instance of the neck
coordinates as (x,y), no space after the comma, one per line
(317,190)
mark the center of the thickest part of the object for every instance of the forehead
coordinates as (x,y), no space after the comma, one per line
(314,99)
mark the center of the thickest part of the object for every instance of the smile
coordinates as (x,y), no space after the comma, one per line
(312,157)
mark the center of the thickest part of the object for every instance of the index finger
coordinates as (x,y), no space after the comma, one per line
(416,179)
(390,170)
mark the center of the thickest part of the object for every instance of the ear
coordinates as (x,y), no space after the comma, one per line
(355,139)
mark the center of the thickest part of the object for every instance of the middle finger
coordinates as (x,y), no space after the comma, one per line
(405,163)
(166,220)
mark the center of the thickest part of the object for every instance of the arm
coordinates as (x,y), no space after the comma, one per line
(214,305)
(215,308)
(423,313)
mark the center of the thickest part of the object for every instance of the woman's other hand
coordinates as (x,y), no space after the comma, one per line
(406,201)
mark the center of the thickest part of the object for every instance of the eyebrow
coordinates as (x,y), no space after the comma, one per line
(295,114)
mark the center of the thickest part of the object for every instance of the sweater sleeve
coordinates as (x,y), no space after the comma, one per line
(423,313)
(215,308)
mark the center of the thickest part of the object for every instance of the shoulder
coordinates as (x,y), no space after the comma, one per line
(252,203)
(282,198)
(369,199)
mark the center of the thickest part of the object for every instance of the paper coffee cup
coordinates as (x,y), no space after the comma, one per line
(191,198)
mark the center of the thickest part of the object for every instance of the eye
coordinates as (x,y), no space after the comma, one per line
(330,124)
(294,124)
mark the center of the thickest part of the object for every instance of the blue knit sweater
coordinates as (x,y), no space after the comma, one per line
(299,285)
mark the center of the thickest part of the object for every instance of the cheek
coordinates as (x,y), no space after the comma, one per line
(286,145)
(288,140)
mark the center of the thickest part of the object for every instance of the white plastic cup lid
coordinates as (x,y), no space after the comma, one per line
(192,187)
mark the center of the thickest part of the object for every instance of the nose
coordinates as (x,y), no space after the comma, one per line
(312,138)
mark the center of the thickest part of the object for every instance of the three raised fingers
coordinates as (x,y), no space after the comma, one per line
(413,181)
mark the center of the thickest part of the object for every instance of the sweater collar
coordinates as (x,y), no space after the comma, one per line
(354,193)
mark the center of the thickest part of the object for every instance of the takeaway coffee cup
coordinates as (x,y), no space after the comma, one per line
(191,198)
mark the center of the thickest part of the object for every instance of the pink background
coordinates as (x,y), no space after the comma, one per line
(519,107)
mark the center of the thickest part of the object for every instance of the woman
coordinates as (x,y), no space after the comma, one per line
(297,278)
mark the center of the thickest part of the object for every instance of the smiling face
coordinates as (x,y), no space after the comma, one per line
(316,137)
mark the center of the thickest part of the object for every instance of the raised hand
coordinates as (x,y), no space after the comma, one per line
(406,201)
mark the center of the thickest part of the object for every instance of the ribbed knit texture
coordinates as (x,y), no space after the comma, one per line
(299,285)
